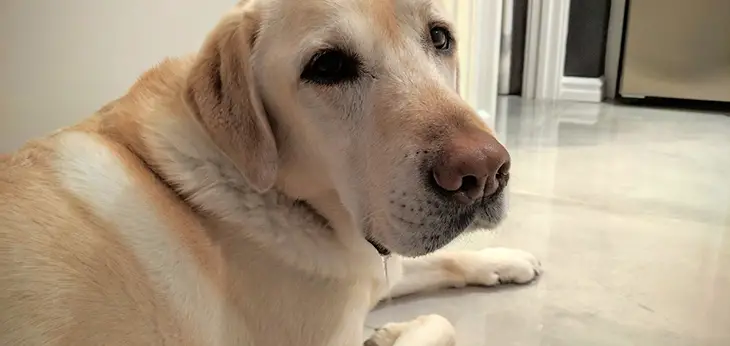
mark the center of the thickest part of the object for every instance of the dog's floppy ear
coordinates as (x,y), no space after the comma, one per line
(222,94)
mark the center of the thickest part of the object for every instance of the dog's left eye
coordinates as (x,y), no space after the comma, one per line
(331,67)
(441,38)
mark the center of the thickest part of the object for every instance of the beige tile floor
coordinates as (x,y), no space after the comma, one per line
(629,210)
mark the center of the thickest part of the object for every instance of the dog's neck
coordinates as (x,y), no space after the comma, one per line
(163,133)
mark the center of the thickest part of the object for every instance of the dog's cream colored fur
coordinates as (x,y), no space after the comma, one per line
(172,216)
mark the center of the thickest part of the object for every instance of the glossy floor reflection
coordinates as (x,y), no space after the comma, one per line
(629,210)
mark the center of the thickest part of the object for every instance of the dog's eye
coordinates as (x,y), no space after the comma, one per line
(331,67)
(441,38)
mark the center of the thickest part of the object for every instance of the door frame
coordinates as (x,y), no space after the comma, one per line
(488,51)
(479,26)
(545,44)
(614,47)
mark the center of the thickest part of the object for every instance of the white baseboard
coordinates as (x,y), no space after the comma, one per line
(581,89)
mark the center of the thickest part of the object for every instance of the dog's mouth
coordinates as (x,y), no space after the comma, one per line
(415,235)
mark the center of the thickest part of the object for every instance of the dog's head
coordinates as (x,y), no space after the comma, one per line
(356,99)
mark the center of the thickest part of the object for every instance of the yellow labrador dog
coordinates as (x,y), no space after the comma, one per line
(248,194)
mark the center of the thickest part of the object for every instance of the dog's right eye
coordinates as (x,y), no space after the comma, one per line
(331,67)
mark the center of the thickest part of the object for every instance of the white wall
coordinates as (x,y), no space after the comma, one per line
(462,14)
(60,60)
(479,26)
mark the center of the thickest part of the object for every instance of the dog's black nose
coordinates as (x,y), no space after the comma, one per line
(469,166)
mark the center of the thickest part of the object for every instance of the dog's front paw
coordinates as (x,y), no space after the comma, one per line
(494,266)
(427,330)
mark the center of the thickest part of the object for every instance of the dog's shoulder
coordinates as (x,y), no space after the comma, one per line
(86,181)
(83,216)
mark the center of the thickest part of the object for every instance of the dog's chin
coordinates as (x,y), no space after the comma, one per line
(483,223)
(412,240)
(489,219)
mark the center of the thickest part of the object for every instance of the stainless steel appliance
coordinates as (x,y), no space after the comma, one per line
(677,49)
